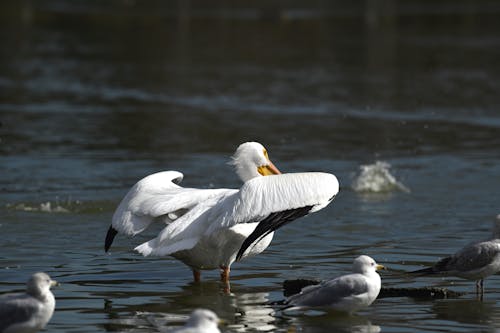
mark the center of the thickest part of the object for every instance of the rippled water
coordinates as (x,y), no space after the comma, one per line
(94,96)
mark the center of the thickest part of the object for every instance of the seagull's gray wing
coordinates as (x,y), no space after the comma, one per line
(331,291)
(471,257)
(15,308)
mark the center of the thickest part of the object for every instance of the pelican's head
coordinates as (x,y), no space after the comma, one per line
(251,160)
(204,319)
(364,264)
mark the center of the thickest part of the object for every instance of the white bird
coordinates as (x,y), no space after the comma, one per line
(200,321)
(31,311)
(346,293)
(212,228)
(476,261)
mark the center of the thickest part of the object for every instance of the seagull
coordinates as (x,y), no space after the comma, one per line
(476,261)
(200,321)
(212,228)
(346,293)
(31,311)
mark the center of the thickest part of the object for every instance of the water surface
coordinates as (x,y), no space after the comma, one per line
(95,96)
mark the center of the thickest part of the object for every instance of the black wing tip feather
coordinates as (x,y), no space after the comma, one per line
(425,271)
(438,268)
(110,236)
(292,287)
(271,223)
(246,244)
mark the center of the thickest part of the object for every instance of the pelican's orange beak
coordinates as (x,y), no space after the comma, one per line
(268,169)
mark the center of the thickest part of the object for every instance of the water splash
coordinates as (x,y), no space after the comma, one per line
(62,206)
(44,207)
(376,178)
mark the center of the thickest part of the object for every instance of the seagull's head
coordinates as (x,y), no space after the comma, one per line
(203,318)
(251,160)
(39,284)
(364,264)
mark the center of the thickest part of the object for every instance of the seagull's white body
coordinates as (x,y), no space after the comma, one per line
(346,293)
(212,228)
(31,311)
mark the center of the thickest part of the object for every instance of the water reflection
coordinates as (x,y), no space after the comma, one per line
(471,311)
(254,313)
(242,311)
(331,322)
(249,312)
(95,94)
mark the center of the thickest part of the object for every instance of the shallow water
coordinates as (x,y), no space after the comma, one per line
(95,96)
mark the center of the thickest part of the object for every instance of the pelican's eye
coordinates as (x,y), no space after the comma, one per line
(265,154)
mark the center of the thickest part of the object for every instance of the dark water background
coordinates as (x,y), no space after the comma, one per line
(94,95)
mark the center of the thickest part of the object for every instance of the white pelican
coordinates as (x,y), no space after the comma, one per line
(30,311)
(475,261)
(212,228)
(346,293)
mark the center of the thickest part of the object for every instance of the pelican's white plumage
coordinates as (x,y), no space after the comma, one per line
(211,228)
(257,199)
(157,196)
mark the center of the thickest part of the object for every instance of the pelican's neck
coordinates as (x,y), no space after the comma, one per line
(245,168)
(246,174)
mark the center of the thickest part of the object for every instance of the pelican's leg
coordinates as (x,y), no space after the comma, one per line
(224,274)
(224,277)
(196,275)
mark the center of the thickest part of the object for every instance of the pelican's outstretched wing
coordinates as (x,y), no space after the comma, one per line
(270,224)
(272,201)
(185,232)
(278,200)
(156,196)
